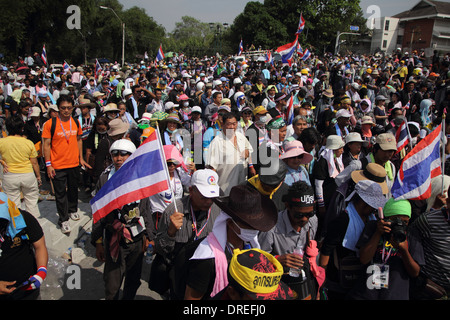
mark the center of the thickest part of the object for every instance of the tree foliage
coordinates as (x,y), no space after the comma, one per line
(274,22)
(31,24)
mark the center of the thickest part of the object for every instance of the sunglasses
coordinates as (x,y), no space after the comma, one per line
(298,215)
(123,153)
(171,164)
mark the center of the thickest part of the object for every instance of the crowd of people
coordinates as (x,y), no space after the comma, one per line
(277,174)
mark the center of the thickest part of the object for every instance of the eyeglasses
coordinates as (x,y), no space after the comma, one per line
(123,153)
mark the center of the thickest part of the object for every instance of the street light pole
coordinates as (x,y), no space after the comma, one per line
(123,32)
(336,47)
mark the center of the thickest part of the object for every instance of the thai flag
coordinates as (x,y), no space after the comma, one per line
(407,105)
(287,51)
(301,24)
(135,180)
(419,166)
(290,110)
(306,54)
(66,66)
(241,48)
(215,66)
(269,58)
(160,54)
(44,55)
(98,68)
(402,136)
(299,50)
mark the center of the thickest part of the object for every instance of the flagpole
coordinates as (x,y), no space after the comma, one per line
(166,169)
(443,151)
(409,134)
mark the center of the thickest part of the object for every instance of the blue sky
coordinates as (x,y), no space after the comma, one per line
(168,12)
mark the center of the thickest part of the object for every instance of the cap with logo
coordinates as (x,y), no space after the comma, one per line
(207,182)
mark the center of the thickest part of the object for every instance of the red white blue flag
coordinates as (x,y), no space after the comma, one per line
(241,48)
(142,175)
(290,110)
(160,54)
(305,55)
(301,24)
(299,50)
(287,51)
(269,58)
(66,66)
(419,166)
(98,68)
(44,55)
(402,136)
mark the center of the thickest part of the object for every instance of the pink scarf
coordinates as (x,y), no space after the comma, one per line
(221,265)
(312,252)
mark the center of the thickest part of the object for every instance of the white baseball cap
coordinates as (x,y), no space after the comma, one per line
(196,109)
(207,182)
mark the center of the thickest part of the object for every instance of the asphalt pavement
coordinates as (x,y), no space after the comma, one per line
(73,271)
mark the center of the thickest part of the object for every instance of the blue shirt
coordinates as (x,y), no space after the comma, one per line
(301,174)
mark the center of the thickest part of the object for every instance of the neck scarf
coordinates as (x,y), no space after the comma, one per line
(333,171)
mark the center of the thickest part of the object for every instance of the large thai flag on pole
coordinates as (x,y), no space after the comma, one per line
(241,48)
(419,166)
(301,24)
(402,136)
(287,51)
(44,55)
(160,54)
(142,175)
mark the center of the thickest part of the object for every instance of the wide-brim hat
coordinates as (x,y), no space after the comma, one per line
(85,103)
(328,93)
(295,148)
(334,142)
(353,137)
(367,120)
(173,117)
(373,172)
(245,204)
(117,126)
(111,107)
(370,192)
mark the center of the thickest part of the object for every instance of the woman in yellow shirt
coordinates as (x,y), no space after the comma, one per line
(20,167)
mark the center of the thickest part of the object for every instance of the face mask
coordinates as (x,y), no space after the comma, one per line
(309,113)
(185,104)
(262,119)
(414,141)
(101,132)
(247,235)
(170,131)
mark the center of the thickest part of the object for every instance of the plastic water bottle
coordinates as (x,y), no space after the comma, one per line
(149,254)
(293,272)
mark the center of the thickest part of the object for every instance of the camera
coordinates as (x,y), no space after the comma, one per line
(398,229)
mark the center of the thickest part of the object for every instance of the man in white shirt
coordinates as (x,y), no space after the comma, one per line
(229,154)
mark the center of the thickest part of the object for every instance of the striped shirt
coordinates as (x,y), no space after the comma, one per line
(434,232)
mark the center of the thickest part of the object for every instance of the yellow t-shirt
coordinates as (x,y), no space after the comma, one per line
(17,152)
